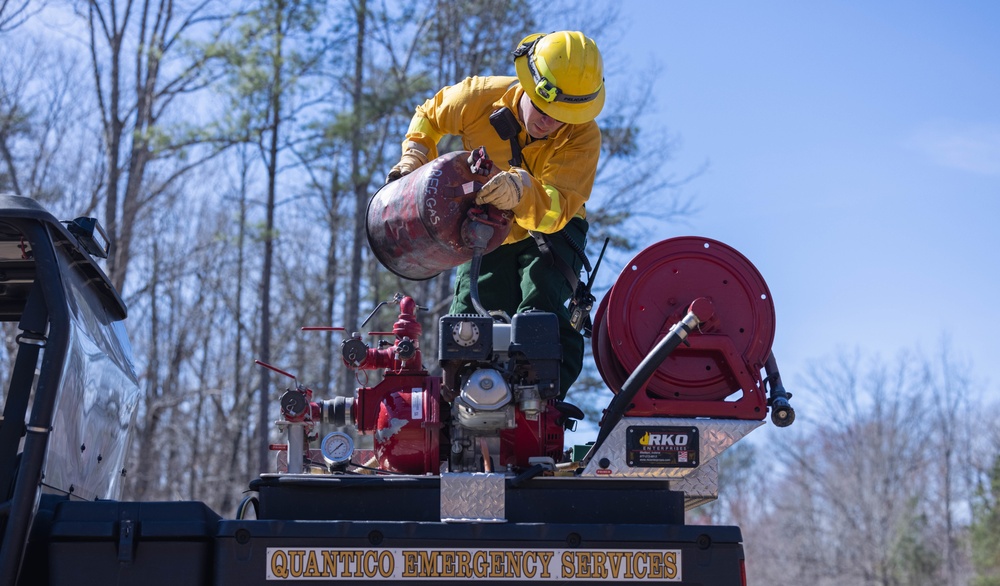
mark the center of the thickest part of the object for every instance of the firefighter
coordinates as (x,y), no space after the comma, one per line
(541,123)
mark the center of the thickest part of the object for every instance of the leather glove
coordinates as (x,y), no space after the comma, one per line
(502,191)
(411,159)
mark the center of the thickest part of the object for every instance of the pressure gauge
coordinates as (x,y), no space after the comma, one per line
(337,448)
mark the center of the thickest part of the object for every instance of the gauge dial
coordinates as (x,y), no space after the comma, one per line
(337,448)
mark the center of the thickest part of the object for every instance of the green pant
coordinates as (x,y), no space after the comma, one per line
(517,277)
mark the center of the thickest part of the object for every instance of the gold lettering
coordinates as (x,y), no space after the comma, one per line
(295,562)
(426,564)
(600,565)
(568,569)
(496,563)
(279,568)
(670,564)
(464,564)
(437,562)
(513,562)
(370,567)
(615,561)
(410,566)
(353,557)
(480,564)
(530,564)
(509,564)
(546,558)
(656,565)
(448,564)
(312,566)
(329,564)
(639,569)
(386,564)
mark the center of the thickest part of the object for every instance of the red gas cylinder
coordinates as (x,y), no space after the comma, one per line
(418,225)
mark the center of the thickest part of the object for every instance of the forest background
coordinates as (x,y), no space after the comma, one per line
(227,148)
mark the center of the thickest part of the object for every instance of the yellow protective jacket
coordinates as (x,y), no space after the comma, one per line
(562,166)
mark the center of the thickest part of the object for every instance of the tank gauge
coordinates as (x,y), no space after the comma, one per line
(337,448)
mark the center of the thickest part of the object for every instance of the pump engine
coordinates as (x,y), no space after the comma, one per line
(501,380)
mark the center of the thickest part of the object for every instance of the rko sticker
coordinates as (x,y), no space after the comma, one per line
(661,447)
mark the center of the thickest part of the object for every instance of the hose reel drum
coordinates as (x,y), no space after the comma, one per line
(716,372)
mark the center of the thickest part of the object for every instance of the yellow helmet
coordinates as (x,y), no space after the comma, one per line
(563,74)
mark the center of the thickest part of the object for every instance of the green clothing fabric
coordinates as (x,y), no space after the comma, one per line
(517,277)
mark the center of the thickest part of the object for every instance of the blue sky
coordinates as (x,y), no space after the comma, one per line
(854,158)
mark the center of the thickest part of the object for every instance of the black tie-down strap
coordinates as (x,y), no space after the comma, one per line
(545,246)
(582,300)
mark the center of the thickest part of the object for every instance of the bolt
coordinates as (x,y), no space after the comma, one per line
(242,536)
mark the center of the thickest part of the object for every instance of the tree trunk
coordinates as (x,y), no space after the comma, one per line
(263,422)
(352,311)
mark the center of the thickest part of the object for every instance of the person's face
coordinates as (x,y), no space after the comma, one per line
(537,123)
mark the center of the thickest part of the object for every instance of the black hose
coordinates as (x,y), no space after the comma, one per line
(623,400)
(527,475)
(477,261)
(479,235)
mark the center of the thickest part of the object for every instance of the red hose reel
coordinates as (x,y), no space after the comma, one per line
(716,372)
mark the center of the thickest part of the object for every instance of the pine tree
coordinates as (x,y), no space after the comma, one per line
(985,531)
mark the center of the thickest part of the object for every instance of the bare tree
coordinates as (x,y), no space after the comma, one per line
(14,13)
(143,65)
(951,484)
(268,65)
(236,413)
(169,306)
(854,496)
(46,148)
(358,182)
(985,533)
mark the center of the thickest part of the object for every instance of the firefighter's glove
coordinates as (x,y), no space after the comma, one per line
(502,191)
(411,159)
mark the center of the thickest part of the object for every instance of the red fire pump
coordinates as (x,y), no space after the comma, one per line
(403,410)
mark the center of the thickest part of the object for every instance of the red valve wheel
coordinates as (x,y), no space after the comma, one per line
(654,292)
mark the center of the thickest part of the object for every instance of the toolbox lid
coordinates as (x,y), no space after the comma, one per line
(182,520)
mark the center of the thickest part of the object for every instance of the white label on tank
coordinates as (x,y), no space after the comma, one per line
(468,187)
(417,403)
